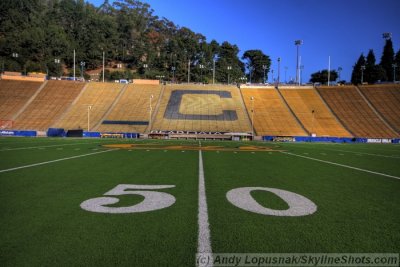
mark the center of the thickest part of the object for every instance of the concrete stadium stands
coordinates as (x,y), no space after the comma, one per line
(313,112)
(202,108)
(14,95)
(100,96)
(46,108)
(354,112)
(131,113)
(386,100)
(271,115)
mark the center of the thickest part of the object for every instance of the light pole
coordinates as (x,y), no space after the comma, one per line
(339,71)
(250,69)
(394,72)
(312,122)
(286,68)
(201,66)
(89,107)
(188,78)
(173,73)
(103,64)
(300,73)
(15,55)
(150,110)
(264,68)
(214,70)
(82,67)
(56,61)
(362,74)
(272,76)
(298,43)
(279,70)
(145,66)
(229,72)
(252,118)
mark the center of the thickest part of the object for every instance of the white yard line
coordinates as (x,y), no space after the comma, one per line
(204,243)
(342,165)
(364,153)
(33,147)
(52,161)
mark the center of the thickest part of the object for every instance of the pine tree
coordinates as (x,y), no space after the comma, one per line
(356,74)
(387,59)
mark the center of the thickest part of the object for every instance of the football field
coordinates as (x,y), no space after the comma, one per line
(115,202)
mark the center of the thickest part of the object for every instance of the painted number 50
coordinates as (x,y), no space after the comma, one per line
(153,200)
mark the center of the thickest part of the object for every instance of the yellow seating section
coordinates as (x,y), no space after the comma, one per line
(386,100)
(354,112)
(134,105)
(14,95)
(271,115)
(313,113)
(47,107)
(99,96)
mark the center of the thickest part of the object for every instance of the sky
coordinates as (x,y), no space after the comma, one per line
(339,29)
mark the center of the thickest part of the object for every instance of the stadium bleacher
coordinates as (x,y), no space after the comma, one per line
(99,96)
(386,100)
(52,101)
(313,112)
(354,112)
(271,115)
(14,95)
(131,113)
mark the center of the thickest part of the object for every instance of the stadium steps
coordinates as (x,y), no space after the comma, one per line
(354,112)
(374,110)
(29,101)
(157,107)
(116,100)
(332,112)
(71,106)
(252,128)
(313,113)
(291,111)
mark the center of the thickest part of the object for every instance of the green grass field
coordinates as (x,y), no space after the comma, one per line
(43,182)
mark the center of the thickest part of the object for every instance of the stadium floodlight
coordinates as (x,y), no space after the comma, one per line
(250,72)
(279,70)
(298,43)
(394,72)
(103,64)
(173,73)
(252,117)
(362,73)
(229,68)
(272,76)
(201,66)
(387,35)
(15,55)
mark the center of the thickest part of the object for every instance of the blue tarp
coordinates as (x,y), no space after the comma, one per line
(17,133)
(56,132)
(109,134)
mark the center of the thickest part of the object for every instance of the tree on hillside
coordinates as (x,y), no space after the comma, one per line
(397,62)
(357,70)
(322,76)
(373,72)
(255,60)
(387,59)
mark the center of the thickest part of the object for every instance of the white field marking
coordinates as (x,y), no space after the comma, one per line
(342,165)
(56,160)
(40,147)
(204,243)
(364,153)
